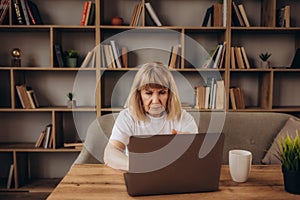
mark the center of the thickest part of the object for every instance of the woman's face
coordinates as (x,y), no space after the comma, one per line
(155,100)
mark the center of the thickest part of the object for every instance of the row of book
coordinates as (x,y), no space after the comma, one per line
(136,14)
(283,16)
(236,97)
(88,13)
(113,56)
(239,15)
(175,55)
(216,15)
(26,12)
(4,7)
(239,58)
(217,57)
(211,95)
(45,139)
(27,97)
(135,18)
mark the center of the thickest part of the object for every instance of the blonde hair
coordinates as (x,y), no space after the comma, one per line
(153,75)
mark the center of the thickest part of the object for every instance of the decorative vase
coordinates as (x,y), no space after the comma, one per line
(265,64)
(291,181)
(71,62)
(71,103)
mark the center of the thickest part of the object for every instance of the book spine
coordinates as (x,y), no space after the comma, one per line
(87,13)
(10,176)
(116,53)
(30,13)
(153,14)
(25,13)
(35,12)
(84,12)
(59,55)
(91,18)
(18,12)
(4,9)
(124,55)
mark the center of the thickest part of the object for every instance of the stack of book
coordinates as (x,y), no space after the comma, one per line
(26,12)
(113,56)
(75,145)
(27,97)
(211,95)
(88,13)
(239,58)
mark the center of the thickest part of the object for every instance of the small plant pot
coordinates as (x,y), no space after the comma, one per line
(71,62)
(291,181)
(265,64)
(71,103)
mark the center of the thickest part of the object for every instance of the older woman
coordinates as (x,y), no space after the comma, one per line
(153,107)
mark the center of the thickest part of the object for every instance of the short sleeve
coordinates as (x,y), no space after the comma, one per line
(188,123)
(123,127)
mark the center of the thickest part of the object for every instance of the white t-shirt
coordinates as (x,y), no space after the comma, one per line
(126,126)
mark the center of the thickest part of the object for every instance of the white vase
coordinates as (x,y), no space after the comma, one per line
(71,103)
(265,64)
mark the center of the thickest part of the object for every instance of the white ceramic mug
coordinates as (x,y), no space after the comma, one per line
(240,164)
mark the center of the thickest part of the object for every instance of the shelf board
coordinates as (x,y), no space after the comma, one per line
(176,69)
(50,109)
(48,68)
(251,70)
(29,147)
(286,108)
(273,30)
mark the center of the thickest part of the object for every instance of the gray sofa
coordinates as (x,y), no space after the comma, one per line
(253,131)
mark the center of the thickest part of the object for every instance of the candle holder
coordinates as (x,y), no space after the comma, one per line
(16,57)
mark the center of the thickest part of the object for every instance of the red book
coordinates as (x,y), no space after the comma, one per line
(84,13)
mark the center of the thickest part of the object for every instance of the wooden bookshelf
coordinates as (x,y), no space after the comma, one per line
(268,90)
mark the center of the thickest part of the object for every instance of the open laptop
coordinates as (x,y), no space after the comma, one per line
(168,164)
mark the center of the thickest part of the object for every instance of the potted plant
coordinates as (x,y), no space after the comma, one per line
(71,100)
(289,155)
(264,57)
(71,57)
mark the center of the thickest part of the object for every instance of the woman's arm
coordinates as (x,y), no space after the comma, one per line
(114,155)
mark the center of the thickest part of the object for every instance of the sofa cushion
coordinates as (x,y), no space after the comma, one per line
(252,131)
(290,127)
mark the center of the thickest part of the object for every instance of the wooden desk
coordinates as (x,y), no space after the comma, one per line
(102,182)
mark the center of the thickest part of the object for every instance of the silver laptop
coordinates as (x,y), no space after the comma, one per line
(168,164)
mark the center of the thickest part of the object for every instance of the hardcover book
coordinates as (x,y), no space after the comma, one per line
(18,12)
(59,55)
(3,11)
(34,13)
(208,15)
(296,59)
(153,14)
(25,13)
